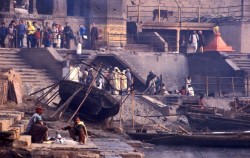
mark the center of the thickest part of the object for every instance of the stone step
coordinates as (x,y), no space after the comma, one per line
(15,67)
(6,122)
(9,50)
(4,55)
(8,118)
(23,141)
(13,63)
(13,60)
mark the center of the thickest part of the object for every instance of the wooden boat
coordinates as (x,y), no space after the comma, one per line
(212,139)
(198,121)
(98,106)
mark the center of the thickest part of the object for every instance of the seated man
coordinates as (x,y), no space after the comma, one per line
(77,130)
(36,128)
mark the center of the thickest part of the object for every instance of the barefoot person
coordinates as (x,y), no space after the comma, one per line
(77,130)
(36,128)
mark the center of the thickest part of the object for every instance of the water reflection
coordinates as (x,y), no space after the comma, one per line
(195,152)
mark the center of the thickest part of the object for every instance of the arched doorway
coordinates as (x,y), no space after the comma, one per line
(5,5)
(70,7)
(44,6)
(76,7)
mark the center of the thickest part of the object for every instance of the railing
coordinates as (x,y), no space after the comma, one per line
(223,86)
(187,14)
(143,42)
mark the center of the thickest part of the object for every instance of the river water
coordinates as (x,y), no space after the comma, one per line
(196,152)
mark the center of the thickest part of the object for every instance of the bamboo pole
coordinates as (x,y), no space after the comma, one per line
(121,112)
(133,105)
(159,13)
(233,86)
(206,82)
(199,14)
(247,86)
(138,13)
(86,95)
(65,104)
(179,14)
(218,84)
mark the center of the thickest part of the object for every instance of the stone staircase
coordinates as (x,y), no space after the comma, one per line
(86,55)
(241,60)
(11,128)
(30,76)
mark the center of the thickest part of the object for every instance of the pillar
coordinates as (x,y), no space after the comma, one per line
(178,40)
(34,9)
(11,7)
(60,7)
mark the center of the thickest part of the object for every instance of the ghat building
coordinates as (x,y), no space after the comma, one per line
(119,21)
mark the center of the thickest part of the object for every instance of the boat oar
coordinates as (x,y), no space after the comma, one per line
(42,89)
(161,115)
(184,130)
(163,127)
(65,104)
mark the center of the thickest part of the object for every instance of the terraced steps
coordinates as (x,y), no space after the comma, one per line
(241,60)
(12,127)
(10,58)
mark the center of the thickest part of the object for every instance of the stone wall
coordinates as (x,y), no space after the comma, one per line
(173,67)
(236,35)
(45,58)
(214,64)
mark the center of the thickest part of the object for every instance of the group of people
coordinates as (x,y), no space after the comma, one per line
(110,79)
(154,85)
(39,130)
(196,41)
(54,35)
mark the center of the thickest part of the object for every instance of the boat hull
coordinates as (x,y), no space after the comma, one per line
(219,139)
(216,123)
(98,105)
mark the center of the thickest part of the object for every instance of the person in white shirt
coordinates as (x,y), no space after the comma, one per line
(190,91)
(193,40)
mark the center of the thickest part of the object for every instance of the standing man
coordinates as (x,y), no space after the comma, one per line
(13,23)
(94,37)
(82,31)
(3,34)
(201,42)
(68,35)
(129,78)
(193,40)
(30,35)
(20,34)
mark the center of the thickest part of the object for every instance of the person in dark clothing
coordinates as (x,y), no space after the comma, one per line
(21,30)
(3,34)
(68,35)
(94,37)
(13,23)
(183,45)
(129,78)
(77,130)
(201,42)
(150,76)
(36,128)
